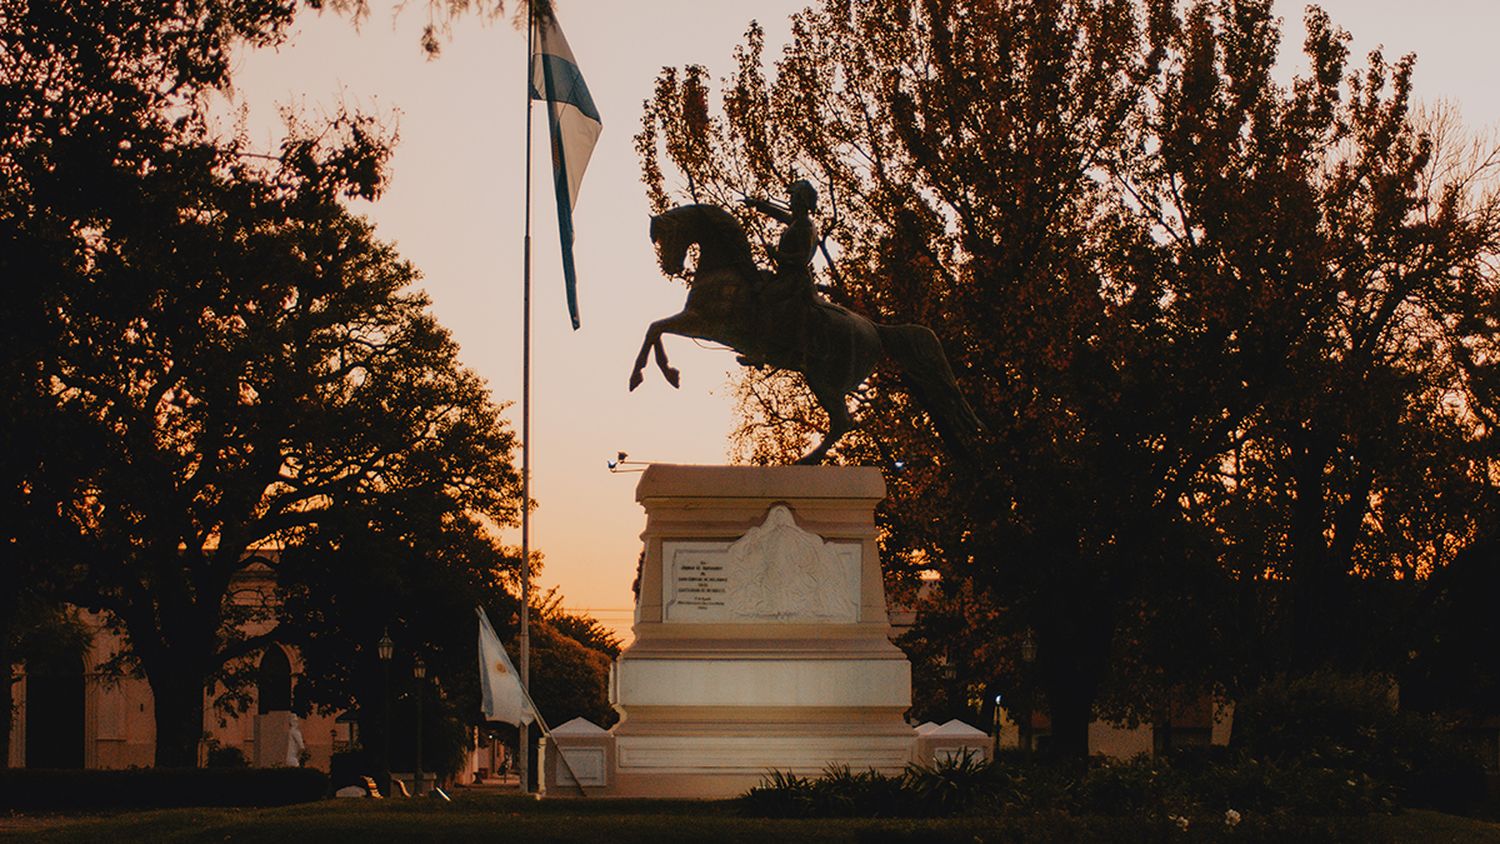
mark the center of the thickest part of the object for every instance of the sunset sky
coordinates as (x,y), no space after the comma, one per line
(455,209)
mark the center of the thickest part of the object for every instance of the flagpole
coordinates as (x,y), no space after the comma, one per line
(524,749)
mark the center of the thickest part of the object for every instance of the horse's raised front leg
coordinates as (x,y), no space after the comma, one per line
(653,337)
(667,371)
(677,323)
(832,400)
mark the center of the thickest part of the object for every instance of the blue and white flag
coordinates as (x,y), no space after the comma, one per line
(501,695)
(575,126)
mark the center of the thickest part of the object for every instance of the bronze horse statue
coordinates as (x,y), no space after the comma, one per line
(732,302)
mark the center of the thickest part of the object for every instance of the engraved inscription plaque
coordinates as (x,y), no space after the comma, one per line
(697,585)
(776,572)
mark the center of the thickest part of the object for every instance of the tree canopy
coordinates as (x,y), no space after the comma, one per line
(1234,340)
(221,377)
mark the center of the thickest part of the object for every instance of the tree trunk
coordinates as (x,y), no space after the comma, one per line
(7,701)
(178,707)
(10,588)
(1071,709)
(1073,654)
(1311,607)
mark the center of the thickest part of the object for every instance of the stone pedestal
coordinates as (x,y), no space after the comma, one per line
(762,640)
(272,735)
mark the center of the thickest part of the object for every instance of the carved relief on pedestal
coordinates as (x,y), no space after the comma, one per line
(776,572)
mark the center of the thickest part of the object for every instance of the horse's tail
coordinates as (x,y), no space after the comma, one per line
(927,376)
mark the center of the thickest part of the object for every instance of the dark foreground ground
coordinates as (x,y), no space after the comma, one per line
(489,816)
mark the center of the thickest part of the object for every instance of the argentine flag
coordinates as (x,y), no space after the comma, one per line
(501,696)
(575,126)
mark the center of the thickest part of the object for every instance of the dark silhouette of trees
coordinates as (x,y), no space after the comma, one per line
(214,363)
(1450,670)
(1234,341)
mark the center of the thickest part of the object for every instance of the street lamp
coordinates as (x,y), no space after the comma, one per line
(385,648)
(419,671)
(996,757)
(1028,656)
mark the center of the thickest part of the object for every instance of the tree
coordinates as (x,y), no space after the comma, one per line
(236,362)
(1210,321)
(407,573)
(401,567)
(441,15)
(578,653)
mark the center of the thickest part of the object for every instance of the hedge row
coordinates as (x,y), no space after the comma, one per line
(1183,786)
(137,788)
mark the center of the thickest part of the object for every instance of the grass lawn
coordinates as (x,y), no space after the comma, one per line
(491,817)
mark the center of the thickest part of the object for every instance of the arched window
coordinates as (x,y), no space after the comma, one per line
(273,682)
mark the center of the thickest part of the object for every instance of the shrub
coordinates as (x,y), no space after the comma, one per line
(1326,716)
(1444,775)
(951,785)
(32,790)
(838,793)
(1292,785)
(781,794)
(1024,785)
(841,793)
(226,757)
(1314,766)
(1349,725)
(1138,787)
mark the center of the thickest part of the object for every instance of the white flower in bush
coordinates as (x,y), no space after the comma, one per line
(1182,822)
(1231,818)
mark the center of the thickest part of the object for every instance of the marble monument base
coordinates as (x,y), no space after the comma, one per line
(762,640)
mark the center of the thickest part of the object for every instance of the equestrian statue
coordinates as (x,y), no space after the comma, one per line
(779,319)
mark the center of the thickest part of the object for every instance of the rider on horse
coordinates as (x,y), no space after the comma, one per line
(781,320)
(789,300)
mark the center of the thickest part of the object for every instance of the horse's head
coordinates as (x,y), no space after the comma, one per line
(672,240)
(720,240)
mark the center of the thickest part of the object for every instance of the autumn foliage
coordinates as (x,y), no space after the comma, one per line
(1234,339)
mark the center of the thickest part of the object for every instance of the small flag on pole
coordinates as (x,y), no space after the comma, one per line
(502,697)
(575,127)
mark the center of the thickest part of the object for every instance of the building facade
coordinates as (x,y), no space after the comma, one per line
(74,715)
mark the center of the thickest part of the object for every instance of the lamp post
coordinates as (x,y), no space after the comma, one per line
(1028,656)
(385,648)
(996,756)
(419,671)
